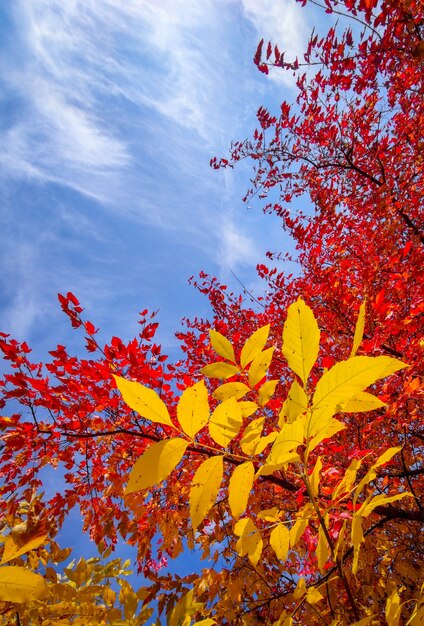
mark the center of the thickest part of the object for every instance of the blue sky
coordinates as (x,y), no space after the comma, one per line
(110,113)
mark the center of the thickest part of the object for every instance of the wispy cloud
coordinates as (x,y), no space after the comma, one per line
(114,111)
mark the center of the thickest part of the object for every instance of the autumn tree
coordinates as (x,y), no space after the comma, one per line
(287,446)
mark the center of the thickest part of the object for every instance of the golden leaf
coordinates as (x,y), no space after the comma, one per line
(239,488)
(259,366)
(250,542)
(301,337)
(254,345)
(156,463)
(225,422)
(193,409)
(219,370)
(345,379)
(221,345)
(143,400)
(204,489)
(295,404)
(18,584)
(280,541)
(229,390)
(359,329)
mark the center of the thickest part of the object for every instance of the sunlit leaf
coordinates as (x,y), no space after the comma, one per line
(254,345)
(250,542)
(372,472)
(220,370)
(230,390)
(156,463)
(315,476)
(222,346)
(251,435)
(239,488)
(247,408)
(288,439)
(301,337)
(359,329)
(328,429)
(18,584)
(323,550)
(193,409)
(280,541)
(295,404)
(313,595)
(143,400)
(393,609)
(367,508)
(348,480)
(361,402)
(266,391)
(345,379)
(225,422)
(259,366)
(13,547)
(204,489)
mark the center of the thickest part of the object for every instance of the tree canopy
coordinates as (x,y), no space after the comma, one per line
(287,445)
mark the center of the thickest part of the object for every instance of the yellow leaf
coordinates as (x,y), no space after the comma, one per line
(288,439)
(300,589)
(205,622)
(295,404)
(219,370)
(247,408)
(156,463)
(361,402)
(313,595)
(314,477)
(193,409)
(18,584)
(185,608)
(221,345)
(357,539)
(225,422)
(204,489)
(109,596)
(372,472)
(143,400)
(348,480)
(300,339)
(264,442)
(251,435)
(280,541)
(229,390)
(270,515)
(359,329)
(323,549)
(250,542)
(347,378)
(14,548)
(301,523)
(328,429)
(417,617)
(239,488)
(266,391)
(259,366)
(393,609)
(367,508)
(270,468)
(254,345)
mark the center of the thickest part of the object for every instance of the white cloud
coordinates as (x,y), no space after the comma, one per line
(236,249)
(284,23)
